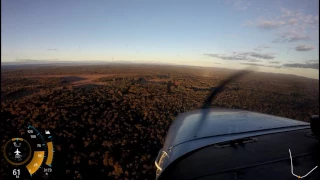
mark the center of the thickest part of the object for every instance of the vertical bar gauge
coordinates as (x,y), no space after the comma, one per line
(50,153)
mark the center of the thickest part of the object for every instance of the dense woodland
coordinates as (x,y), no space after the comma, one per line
(114,125)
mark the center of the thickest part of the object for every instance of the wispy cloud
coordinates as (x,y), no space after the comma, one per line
(304,48)
(274,62)
(227,57)
(239,4)
(253,60)
(245,56)
(248,23)
(262,55)
(298,24)
(313,61)
(292,25)
(297,16)
(293,21)
(263,23)
(262,65)
(35,60)
(270,24)
(261,48)
(52,49)
(305,65)
(290,36)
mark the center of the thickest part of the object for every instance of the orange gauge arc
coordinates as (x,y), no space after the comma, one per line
(36,162)
(50,153)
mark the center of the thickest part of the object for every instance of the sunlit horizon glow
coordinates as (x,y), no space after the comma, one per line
(274,36)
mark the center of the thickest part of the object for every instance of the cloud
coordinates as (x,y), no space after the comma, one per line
(254,60)
(27,60)
(262,65)
(297,16)
(288,18)
(35,60)
(293,25)
(227,57)
(304,48)
(313,61)
(306,65)
(274,62)
(290,36)
(262,56)
(269,24)
(286,12)
(248,23)
(52,49)
(293,21)
(245,56)
(261,48)
(239,4)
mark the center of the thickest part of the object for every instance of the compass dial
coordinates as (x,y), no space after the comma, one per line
(17,151)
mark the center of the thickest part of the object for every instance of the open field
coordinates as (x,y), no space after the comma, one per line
(110,121)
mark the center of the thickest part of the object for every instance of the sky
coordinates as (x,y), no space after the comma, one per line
(273,36)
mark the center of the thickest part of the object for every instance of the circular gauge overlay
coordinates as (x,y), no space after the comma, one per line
(17,151)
